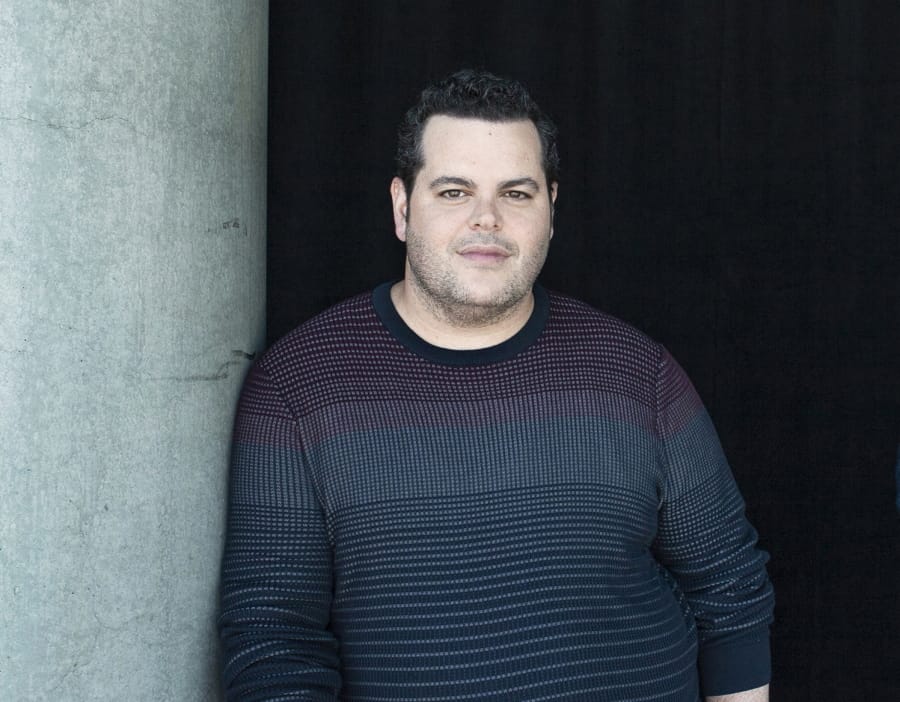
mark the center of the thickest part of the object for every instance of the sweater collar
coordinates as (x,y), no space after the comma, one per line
(521,340)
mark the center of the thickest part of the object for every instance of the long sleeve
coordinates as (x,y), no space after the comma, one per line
(706,543)
(276,571)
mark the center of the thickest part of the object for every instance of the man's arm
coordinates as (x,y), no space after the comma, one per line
(706,543)
(276,569)
(759,694)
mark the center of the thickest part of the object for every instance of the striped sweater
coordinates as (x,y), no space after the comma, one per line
(551,518)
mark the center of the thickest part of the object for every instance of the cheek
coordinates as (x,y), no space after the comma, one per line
(534,226)
(440,223)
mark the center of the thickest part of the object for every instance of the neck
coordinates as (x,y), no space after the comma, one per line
(459,329)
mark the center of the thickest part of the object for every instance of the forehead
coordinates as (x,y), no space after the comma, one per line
(469,147)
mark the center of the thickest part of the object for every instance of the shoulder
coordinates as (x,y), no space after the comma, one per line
(336,335)
(625,359)
(585,328)
(594,349)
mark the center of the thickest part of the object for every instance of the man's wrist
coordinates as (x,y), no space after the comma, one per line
(759,694)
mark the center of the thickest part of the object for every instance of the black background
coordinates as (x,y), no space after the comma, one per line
(730,185)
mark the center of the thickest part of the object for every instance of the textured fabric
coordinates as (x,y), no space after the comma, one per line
(551,518)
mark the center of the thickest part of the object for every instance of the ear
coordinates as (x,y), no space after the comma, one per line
(401,208)
(553,189)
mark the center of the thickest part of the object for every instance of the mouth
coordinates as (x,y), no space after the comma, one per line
(484,253)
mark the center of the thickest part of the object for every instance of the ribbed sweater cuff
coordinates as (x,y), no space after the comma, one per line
(735,666)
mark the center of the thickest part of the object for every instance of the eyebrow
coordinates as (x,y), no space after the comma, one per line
(451,180)
(519,182)
(525,181)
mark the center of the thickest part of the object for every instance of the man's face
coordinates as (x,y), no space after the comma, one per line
(478,223)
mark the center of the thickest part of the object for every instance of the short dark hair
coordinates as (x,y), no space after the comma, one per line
(472,94)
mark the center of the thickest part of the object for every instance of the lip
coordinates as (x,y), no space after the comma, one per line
(480,253)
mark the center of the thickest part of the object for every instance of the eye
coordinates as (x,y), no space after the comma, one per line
(452,194)
(517,195)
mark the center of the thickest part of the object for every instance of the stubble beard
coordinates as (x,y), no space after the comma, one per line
(445,295)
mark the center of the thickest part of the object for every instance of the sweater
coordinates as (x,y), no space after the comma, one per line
(551,518)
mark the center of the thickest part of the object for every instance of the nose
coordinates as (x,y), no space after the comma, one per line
(485,216)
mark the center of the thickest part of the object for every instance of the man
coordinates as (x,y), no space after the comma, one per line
(463,487)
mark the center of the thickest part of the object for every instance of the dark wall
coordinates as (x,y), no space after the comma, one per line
(731,185)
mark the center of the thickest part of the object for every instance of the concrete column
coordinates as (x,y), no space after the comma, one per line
(132,242)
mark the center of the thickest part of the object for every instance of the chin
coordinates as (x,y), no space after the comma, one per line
(499,297)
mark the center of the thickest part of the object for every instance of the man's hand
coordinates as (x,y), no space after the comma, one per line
(759,694)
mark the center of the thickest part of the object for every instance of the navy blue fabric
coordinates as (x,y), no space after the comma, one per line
(552,518)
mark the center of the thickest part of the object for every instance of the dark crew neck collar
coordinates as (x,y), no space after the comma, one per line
(522,339)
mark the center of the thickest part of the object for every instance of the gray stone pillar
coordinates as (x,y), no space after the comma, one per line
(132,243)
